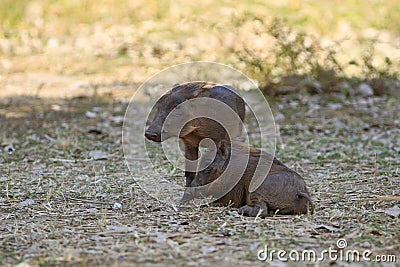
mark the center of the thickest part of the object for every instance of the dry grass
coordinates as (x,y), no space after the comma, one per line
(95,42)
(59,206)
(336,145)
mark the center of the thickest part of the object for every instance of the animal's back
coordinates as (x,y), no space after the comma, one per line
(280,191)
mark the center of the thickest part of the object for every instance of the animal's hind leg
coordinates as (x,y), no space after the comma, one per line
(306,196)
(253,211)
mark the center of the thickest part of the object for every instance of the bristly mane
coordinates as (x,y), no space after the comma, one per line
(193,88)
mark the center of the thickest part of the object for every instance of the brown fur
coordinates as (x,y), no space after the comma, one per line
(283,191)
(198,128)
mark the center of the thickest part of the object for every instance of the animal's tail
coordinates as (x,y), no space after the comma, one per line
(306,196)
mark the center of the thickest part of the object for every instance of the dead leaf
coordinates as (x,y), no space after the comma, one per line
(98,155)
(6,143)
(161,238)
(117,120)
(27,202)
(206,249)
(384,198)
(326,227)
(23,264)
(92,210)
(393,211)
(234,213)
(117,206)
(118,228)
(162,213)
(90,114)
(56,107)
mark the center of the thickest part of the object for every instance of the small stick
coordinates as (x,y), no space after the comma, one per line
(384,198)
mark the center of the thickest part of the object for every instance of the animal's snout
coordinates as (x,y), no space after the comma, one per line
(152,136)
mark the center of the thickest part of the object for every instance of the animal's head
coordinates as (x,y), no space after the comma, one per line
(169,105)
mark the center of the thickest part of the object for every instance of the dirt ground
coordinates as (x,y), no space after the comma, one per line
(67,198)
(69,68)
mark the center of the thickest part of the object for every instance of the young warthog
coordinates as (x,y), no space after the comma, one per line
(281,190)
(193,121)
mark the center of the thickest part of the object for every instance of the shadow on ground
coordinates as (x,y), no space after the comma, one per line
(66,196)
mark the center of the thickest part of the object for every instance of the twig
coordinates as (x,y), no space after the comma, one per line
(88,201)
(82,200)
(382,198)
(61,160)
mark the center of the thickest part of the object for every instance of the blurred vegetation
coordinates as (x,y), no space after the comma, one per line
(321,45)
(322,17)
(299,62)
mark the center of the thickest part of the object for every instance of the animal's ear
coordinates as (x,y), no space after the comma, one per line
(197,92)
(198,88)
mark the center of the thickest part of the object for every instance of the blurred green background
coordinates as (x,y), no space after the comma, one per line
(130,40)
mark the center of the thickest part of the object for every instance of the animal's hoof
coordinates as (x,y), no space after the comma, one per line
(246,211)
(253,211)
